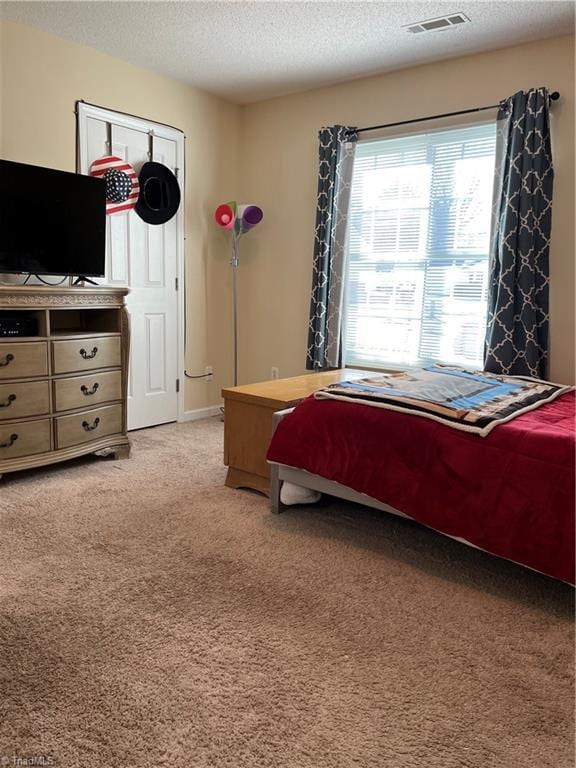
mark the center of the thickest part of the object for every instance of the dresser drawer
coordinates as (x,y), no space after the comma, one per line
(26,399)
(83,391)
(24,438)
(19,361)
(78,355)
(87,426)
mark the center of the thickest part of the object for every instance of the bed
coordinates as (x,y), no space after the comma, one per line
(510,493)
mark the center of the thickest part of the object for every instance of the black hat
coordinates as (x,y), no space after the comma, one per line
(159,194)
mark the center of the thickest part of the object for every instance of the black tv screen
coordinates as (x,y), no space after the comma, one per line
(51,222)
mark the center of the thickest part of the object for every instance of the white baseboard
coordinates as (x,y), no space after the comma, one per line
(201,413)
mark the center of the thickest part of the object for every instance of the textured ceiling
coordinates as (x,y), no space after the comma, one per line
(247,51)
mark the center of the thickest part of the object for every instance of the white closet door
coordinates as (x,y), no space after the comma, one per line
(145,258)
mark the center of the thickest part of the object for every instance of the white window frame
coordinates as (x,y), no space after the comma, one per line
(384,134)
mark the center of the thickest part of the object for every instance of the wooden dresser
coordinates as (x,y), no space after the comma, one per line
(63,389)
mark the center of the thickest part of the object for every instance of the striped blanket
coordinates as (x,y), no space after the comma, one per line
(468,400)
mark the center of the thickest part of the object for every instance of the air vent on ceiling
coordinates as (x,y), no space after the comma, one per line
(444,22)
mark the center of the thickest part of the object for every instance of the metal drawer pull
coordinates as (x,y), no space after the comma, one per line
(10,442)
(7,360)
(86,391)
(89,355)
(90,427)
(8,402)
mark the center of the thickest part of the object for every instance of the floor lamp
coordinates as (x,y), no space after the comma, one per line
(239,219)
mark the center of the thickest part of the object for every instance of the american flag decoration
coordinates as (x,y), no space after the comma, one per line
(122,186)
(118,185)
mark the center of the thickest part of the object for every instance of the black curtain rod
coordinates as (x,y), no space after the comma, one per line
(553,97)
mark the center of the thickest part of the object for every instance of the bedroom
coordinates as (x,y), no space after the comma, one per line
(150,613)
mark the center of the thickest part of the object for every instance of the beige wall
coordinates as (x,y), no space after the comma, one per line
(43,76)
(276,140)
(278,171)
(1,82)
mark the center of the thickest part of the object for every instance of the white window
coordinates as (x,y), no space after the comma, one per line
(418,241)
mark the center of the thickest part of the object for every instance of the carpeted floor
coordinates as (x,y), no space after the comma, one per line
(149,616)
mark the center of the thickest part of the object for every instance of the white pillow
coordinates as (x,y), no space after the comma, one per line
(291,494)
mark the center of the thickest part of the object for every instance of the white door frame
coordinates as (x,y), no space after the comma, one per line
(85,111)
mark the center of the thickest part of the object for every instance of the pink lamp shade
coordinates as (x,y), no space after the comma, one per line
(225,215)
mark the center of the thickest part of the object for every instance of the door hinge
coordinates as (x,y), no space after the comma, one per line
(176,283)
(177,385)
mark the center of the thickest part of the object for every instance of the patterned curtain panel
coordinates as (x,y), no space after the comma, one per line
(337,146)
(517,334)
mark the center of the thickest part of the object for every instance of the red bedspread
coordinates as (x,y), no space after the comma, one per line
(511,493)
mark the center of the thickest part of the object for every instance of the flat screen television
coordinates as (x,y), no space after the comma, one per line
(51,222)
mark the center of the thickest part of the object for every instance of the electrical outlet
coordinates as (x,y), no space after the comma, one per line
(209,372)
(275,372)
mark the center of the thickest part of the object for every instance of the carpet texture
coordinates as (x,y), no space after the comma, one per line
(149,616)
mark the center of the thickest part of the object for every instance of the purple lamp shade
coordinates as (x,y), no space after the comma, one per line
(251,215)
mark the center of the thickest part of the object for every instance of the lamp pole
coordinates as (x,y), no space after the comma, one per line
(234,263)
(240,219)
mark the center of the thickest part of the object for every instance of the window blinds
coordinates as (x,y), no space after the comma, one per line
(417,255)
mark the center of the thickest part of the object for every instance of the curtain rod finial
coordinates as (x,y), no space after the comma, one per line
(554,96)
